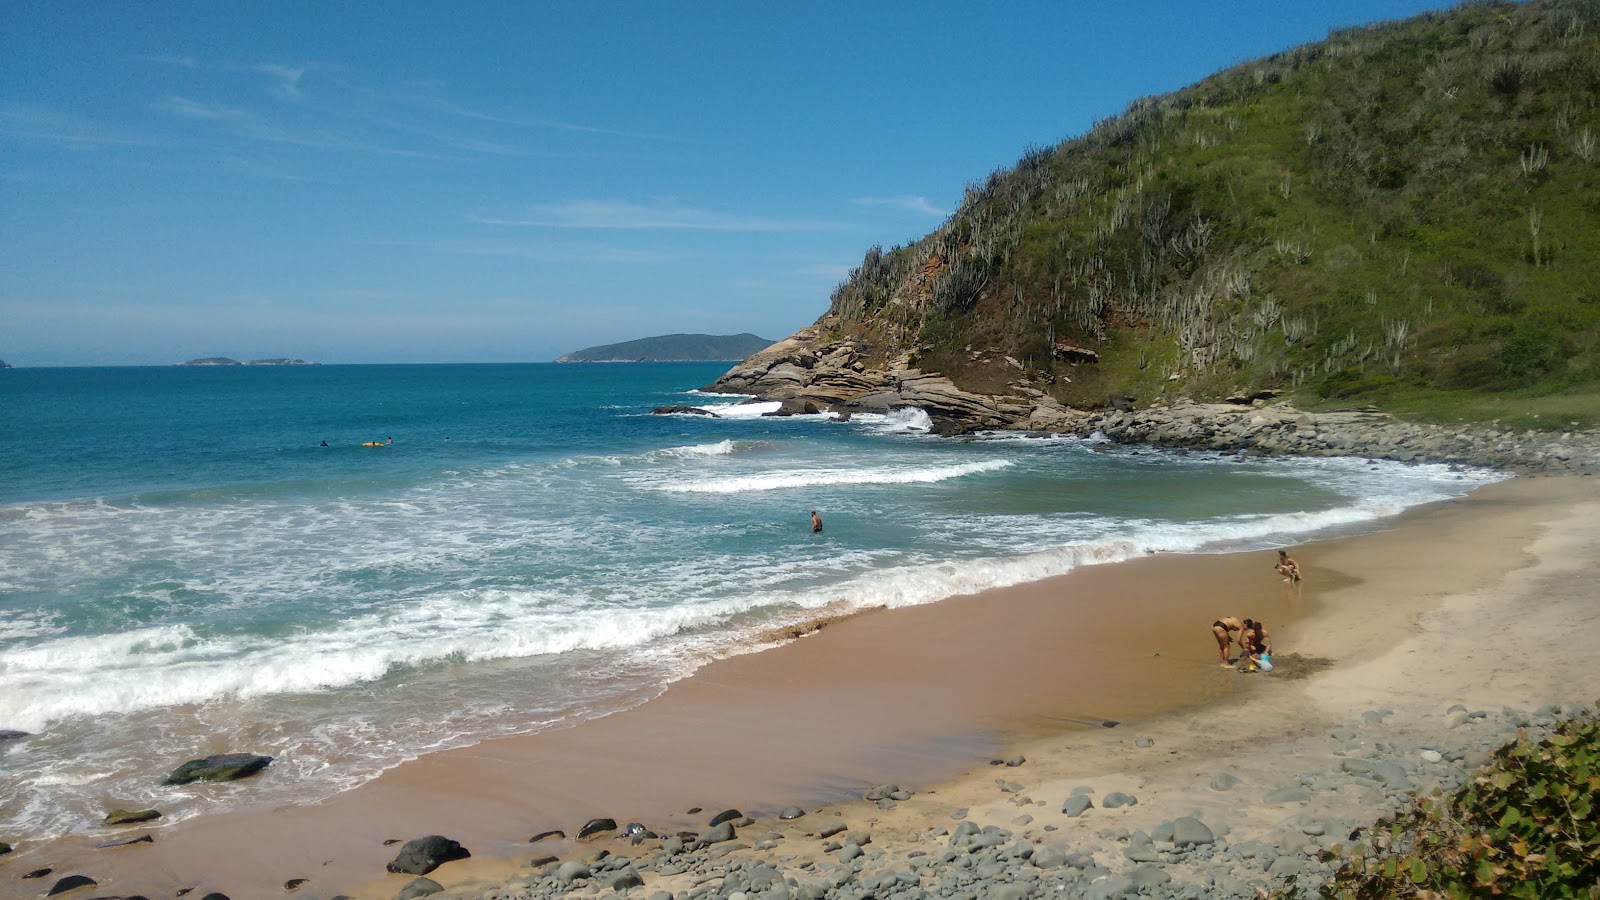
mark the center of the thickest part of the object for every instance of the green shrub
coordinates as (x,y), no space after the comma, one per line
(1527,826)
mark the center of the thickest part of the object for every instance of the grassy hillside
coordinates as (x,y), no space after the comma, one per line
(1404,215)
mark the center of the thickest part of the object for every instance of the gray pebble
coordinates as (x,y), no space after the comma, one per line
(1224,781)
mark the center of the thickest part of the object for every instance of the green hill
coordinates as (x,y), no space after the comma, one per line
(673,348)
(1405,215)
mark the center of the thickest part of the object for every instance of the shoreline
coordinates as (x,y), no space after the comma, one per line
(717,739)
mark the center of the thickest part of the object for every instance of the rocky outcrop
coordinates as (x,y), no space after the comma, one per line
(807,374)
(1281,430)
(682,410)
(221,767)
(802,372)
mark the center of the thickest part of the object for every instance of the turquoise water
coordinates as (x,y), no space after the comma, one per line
(184,569)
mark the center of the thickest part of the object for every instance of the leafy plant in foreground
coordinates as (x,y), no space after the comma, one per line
(1528,826)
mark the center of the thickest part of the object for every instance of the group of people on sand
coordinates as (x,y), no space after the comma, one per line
(1255,643)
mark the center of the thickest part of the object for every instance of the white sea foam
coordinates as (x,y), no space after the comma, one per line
(720,448)
(772,481)
(741,410)
(907,420)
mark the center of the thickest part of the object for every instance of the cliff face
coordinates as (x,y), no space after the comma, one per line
(1404,210)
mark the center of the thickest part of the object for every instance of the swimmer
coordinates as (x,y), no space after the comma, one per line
(816,523)
(1287,567)
(1223,629)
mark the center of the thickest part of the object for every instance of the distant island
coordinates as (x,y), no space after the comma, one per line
(225,361)
(673,348)
(4,364)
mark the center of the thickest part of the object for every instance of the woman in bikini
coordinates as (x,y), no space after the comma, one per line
(1223,629)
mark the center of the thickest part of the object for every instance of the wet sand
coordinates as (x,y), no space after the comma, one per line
(921,697)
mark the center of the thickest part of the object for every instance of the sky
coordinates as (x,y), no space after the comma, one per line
(369,182)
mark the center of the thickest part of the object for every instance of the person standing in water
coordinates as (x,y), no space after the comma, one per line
(816,523)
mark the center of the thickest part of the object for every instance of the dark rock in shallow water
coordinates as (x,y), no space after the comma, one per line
(294,883)
(791,812)
(222,767)
(39,873)
(727,815)
(141,839)
(596,826)
(123,817)
(558,833)
(685,410)
(71,883)
(423,855)
(8,734)
(216,895)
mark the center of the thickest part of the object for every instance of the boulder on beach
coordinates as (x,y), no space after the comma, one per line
(423,855)
(126,842)
(419,887)
(123,817)
(71,883)
(221,767)
(727,815)
(596,826)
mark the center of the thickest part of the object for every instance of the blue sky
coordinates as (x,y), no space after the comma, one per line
(431,182)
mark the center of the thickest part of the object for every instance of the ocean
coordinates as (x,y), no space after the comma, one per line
(186,570)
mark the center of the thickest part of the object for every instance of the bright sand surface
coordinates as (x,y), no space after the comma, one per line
(1484,601)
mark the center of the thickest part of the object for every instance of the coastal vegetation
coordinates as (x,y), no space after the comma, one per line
(1528,825)
(1404,215)
(672,348)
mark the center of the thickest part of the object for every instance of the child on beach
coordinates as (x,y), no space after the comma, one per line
(1287,567)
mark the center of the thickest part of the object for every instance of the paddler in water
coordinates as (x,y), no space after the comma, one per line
(816,523)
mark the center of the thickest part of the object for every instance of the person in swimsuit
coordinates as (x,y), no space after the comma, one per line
(1254,641)
(1223,629)
(1287,567)
(816,522)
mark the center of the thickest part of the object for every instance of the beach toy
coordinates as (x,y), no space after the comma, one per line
(1265,662)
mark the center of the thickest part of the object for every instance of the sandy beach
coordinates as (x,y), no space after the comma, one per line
(1486,602)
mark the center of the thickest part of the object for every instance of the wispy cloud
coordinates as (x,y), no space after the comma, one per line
(618,214)
(184,108)
(912,202)
(34,123)
(285,79)
(256,127)
(428,96)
